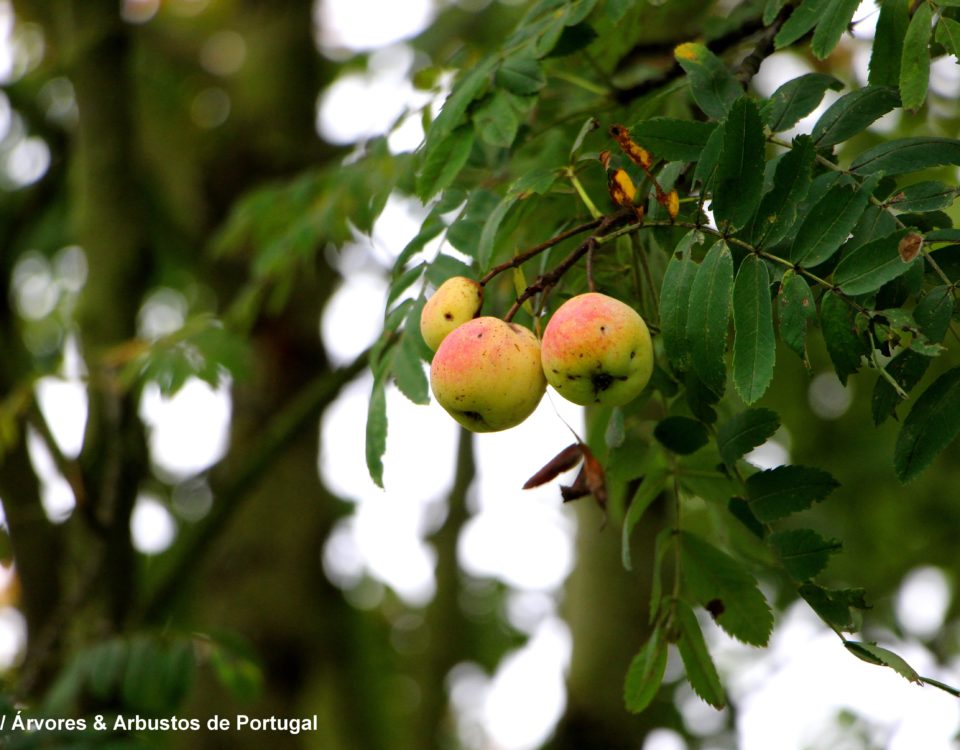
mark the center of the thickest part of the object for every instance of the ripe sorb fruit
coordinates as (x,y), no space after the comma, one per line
(597,350)
(487,374)
(456,301)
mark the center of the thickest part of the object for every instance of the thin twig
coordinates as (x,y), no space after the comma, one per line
(521,258)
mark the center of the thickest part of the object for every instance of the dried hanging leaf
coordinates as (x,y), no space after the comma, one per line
(636,153)
(563,461)
(622,189)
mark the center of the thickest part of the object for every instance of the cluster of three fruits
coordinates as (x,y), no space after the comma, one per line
(490,375)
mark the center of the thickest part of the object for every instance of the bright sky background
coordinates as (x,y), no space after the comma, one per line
(523,538)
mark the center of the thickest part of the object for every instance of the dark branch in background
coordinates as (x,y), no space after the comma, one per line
(718,46)
(518,260)
(764,47)
(300,414)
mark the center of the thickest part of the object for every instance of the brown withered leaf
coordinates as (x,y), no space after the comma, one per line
(636,153)
(622,189)
(563,461)
(576,490)
(910,247)
(595,478)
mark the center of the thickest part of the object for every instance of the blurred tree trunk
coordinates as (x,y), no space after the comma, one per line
(608,610)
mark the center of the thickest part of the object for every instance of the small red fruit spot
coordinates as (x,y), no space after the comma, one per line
(910,246)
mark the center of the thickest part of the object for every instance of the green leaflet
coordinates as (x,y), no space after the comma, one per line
(521,75)
(745,431)
(651,486)
(835,20)
(728,591)
(845,344)
(833,606)
(754,346)
(888,42)
(645,673)
(407,365)
(903,155)
(701,671)
(671,139)
(791,181)
(828,224)
(915,58)
(708,316)
(675,301)
(377,432)
(776,493)
(471,86)
(853,113)
(929,195)
(681,435)
(713,86)
(931,425)
(488,235)
(796,99)
(932,314)
(706,170)
(739,180)
(771,10)
(803,552)
(496,120)
(872,265)
(803,18)
(795,309)
(443,161)
(948,34)
(874,654)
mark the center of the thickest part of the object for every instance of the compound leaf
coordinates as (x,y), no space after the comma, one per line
(745,431)
(672,139)
(795,309)
(931,425)
(796,99)
(776,493)
(708,316)
(739,179)
(803,552)
(377,432)
(701,671)
(915,58)
(853,113)
(872,265)
(675,302)
(828,224)
(903,155)
(845,344)
(888,42)
(830,27)
(646,673)
(726,589)
(713,86)
(754,346)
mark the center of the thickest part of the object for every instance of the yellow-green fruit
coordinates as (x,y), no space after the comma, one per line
(597,350)
(487,374)
(457,300)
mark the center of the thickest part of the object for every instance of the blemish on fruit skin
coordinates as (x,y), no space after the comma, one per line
(448,315)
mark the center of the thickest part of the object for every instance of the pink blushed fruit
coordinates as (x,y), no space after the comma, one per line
(457,300)
(487,374)
(597,350)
